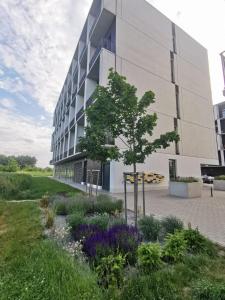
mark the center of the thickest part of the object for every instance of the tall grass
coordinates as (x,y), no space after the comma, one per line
(34,268)
(14,184)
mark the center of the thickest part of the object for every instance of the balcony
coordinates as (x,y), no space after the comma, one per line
(65,154)
(89,102)
(82,79)
(71,151)
(80,113)
(72,122)
(66,129)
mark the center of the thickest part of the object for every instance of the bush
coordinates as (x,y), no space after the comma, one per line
(111,271)
(85,231)
(221,177)
(175,247)
(197,243)
(122,238)
(157,285)
(150,228)
(116,221)
(101,221)
(76,219)
(185,179)
(206,290)
(49,218)
(61,206)
(11,184)
(171,224)
(44,202)
(149,256)
(105,204)
(80,203)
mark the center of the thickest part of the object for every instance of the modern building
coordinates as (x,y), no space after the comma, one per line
(154,54)
(219,114)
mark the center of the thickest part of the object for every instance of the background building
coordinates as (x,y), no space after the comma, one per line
(154,54)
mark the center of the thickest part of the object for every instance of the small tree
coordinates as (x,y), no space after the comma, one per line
(117,112)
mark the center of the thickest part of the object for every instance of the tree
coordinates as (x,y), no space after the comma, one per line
(26,161)
(4,160)
(12,166)
(117,112)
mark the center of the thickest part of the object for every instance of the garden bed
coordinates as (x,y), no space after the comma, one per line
(185,188)
(157,260)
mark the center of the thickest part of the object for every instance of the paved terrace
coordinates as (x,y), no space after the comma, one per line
(206,213)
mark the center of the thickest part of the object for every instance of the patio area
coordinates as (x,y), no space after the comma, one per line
(207,213)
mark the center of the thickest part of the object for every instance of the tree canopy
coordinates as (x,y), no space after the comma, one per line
(118,113)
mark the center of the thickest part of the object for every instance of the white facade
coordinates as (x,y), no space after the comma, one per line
(154,54)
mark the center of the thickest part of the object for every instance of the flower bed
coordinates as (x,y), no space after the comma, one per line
(185,187)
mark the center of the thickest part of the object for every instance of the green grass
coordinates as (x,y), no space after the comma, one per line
(38,173)
(38,186)
(34,268)
(42,185)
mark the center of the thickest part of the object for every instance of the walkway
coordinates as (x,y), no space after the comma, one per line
(206,213)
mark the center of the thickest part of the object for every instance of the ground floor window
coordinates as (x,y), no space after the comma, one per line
(172,169)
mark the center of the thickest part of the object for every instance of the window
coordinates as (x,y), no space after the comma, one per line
(174,38)
(176,143)
(177,100)
(172,169)
(172,66)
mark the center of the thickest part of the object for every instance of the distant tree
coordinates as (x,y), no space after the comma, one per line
(26,161)
(4,160)
(12,166)
(117,112)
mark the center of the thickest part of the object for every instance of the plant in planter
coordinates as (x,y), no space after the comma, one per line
(185,187)
(219,183)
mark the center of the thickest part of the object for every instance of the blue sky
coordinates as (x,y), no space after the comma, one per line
(37,41)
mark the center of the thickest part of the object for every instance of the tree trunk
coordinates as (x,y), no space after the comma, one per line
(135,194)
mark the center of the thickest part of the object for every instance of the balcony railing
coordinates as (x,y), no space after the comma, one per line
(95,55)
(72,122)
(82,52)
(65,154)
(66,129)
(89,102)
(82,78)
(71,151)
(80,113)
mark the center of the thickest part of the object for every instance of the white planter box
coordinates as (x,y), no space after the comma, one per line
(219,185)
(185,189)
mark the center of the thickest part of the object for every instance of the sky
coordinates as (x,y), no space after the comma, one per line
(37,42)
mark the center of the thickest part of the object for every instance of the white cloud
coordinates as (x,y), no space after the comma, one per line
(37,40)
(22,135)
(7,103)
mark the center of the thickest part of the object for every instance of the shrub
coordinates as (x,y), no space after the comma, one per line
(80,203)
(175,247)
(85,231)
(76,219)
(61,206)
(44,202)
(171,224)
(149,256)
(221,177)
(150,228)
(116,221)
(101,221)
(122,238)
(49,218)
(207,290)
(185,179)
(157,285)
(197,243)
(111,271)
(12,184)
(105,204)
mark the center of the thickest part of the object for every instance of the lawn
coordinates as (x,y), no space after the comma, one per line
(42,185)
(14,186)
(34,268)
